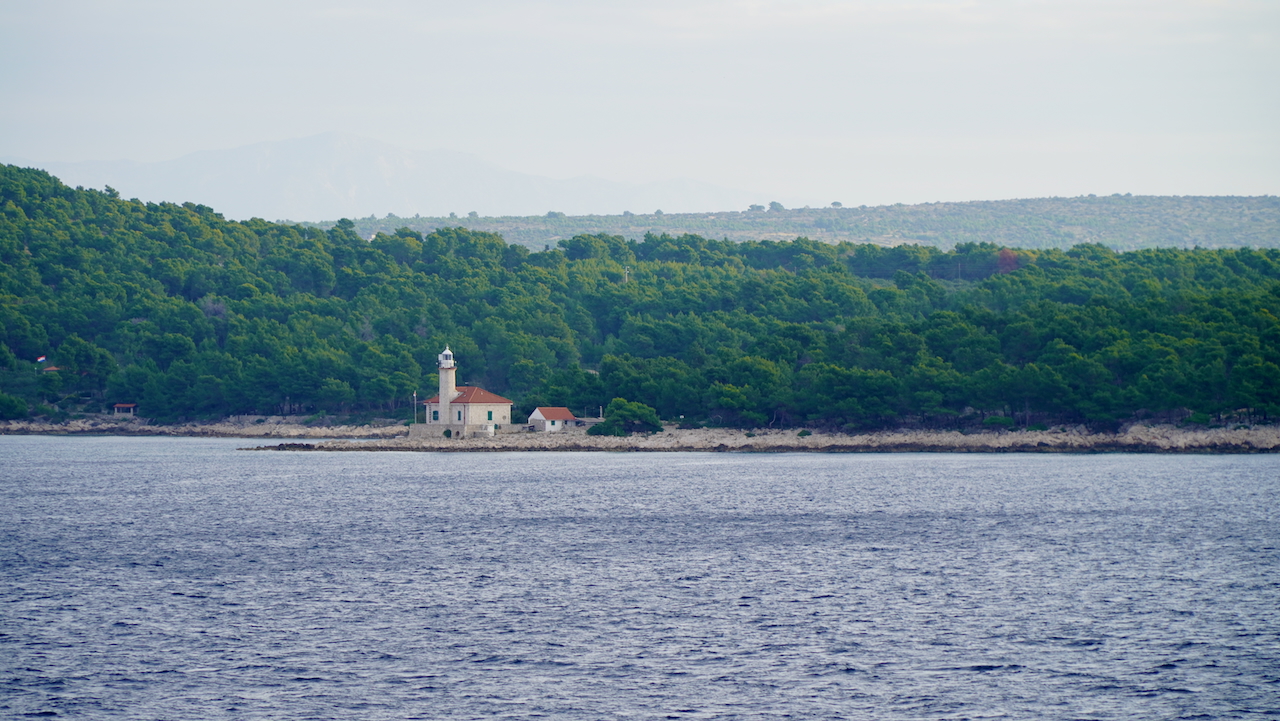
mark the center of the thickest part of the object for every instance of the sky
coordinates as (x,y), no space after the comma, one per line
(857,101)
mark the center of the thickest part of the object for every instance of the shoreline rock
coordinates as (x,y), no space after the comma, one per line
(392,436)
(1135,439)
(267,427)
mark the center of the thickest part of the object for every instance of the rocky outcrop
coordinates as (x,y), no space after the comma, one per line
(1138,438)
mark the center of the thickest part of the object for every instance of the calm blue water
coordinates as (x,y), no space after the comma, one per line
(182,579)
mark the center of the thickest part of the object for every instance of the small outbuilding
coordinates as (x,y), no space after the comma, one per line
(551,419)
(124,409)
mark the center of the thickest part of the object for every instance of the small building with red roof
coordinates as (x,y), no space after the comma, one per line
(551,419)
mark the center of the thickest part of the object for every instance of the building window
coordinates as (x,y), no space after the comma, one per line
(435,415)
(490,415)
(553,423)
(459,415)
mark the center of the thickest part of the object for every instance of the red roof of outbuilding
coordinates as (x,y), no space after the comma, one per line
(471,394)
(556,413)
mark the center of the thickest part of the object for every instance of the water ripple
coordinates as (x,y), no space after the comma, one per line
(178,578)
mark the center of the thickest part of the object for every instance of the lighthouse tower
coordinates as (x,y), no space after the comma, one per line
(448,384)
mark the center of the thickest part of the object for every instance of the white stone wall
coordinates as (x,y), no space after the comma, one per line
(469,420)
(542,425)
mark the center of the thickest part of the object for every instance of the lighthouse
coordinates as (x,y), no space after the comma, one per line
(448,384)
(462,411)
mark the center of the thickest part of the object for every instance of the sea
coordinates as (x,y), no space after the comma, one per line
(180,578)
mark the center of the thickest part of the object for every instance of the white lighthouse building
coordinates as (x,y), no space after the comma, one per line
(462,411)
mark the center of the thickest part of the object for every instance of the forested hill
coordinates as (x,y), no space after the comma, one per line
(190,315)
(1120,222)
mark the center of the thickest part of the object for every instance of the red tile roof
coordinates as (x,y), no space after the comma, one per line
(471,394)
(555,413)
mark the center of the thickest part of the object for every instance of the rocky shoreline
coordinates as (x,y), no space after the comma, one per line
(392,436)
(242,427)
(1135,439)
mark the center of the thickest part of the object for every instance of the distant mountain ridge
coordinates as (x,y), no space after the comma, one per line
(1122,222)
(337,175)
(317,180)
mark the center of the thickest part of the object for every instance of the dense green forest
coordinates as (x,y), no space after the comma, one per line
(193,316)
(1120,222)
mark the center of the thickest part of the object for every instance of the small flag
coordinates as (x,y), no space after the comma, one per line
(41,359)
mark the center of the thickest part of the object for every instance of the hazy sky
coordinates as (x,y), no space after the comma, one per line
(861,101)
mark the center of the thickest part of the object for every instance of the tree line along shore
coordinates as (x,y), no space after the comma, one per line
(105,300)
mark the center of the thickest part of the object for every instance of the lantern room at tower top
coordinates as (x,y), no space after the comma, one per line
(462,411)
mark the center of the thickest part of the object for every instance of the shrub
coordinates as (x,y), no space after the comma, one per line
(12,408)
(623,417)
(1001,421)
(805,432)
(608,428)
